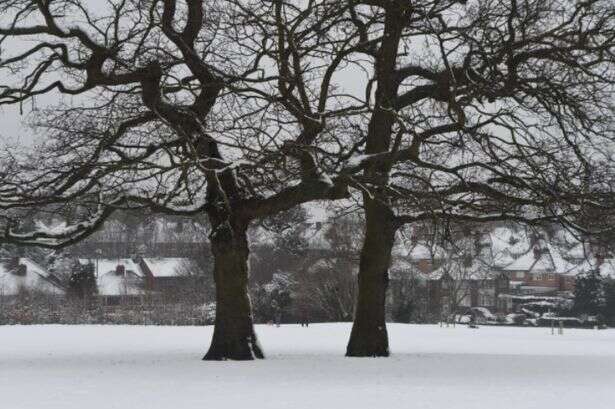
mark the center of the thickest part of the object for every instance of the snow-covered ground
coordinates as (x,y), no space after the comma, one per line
(105,367)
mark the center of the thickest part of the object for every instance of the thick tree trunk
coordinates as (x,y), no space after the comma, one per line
(234,336)
(369,333)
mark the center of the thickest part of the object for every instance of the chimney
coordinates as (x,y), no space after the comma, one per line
(120,270)
(537,252)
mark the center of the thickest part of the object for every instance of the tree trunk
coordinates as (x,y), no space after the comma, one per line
(234,336)
(369,333)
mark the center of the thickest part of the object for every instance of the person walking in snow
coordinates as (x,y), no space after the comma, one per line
(305,319)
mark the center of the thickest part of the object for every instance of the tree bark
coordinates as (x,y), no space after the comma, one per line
(234,337)
(369,333)
(369,336)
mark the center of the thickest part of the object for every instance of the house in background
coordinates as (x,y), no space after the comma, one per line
(463,284)
(579,253)
(118,281)
(543,270)
(129,281)
(492,267)
(443,282)
(504,244)
(426,258)
(606,267)
(19,275)
(169,276)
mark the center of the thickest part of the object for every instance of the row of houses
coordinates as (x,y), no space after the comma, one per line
(500,268)
(118,280)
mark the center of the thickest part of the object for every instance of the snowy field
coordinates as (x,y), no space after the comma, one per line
(105,367)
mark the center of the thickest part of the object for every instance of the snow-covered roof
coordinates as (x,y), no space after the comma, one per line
(560,265)
(509,240)
(421,251)
(35,279)
(607,267)
(549,260)
(523,263)
(566,238)
(106,265)
(166,266)
(502,259)
(33,266)
(579,251)
(111,283)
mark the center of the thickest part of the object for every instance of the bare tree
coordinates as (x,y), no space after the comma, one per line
(320,254)
(161,119)
(482,111)
(330,288)
(469,111)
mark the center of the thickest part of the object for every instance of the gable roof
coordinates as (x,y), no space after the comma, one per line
(507,240)
(106,265)
(549,260)
(607,268)
(421,251)
(35,279)
(110,283)
(165,266)
(560,265)
(579,251)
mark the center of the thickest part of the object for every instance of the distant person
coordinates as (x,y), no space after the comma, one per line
(305,319)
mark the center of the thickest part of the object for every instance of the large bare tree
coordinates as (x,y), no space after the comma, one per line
(482,111)
(183,107)
(465,110)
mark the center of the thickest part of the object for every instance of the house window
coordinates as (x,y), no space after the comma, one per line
(519,274)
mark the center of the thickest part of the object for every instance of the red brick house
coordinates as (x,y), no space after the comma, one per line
(542,270)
